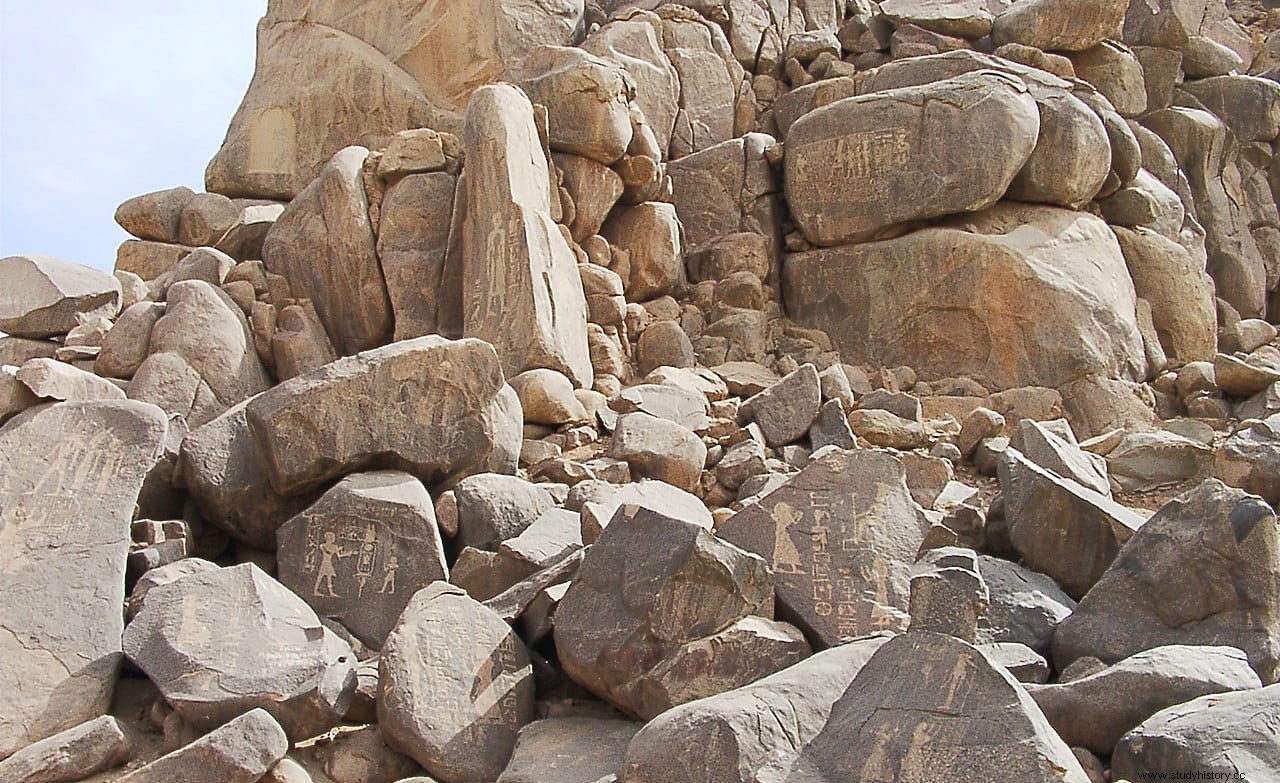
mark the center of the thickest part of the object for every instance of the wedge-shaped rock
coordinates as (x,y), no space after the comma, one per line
(1061,528)
(948,300)
(413,238)
(632,606)
(521,290)
(931,707)
(862,164)
(360,552)
(74,754)
(70,475)
(462,729)
(49,379)
(569,750)
(450,414)
(315,90)
(1203,570)
(240,751)
(587,102)
(324,244)
(785,410)
(1250,459)
(42,296)
(1025,606)
(654,495)
(1095,711)
(220,643)
(721,739)
(841,537)
(1058,25)
(1228,734)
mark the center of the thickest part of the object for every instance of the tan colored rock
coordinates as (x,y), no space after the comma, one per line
(206,218)
(1250,459)
(43,297)
(1116,72)
(149,260)
(726,189)
(594,188)
(1179,290)
(635,43)
(785,410)
(71,474)
(324,244)
(49,379)
(299,343)
(969,19)
(587,101)
(854,166)
(659,449)
(331,421)
(841,537)
(650,234)
(413,238)
(458,728)
(520,285)
(569,750)
(1058,25)
(78,752)
(978,268)
(547,398)
(154,216)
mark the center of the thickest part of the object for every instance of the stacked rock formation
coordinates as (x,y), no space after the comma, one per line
(642,391)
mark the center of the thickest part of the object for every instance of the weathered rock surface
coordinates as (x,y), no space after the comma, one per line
(269,651)
(841,537)
(70,475)
(1250,459)
(1025,606)
(569,750)
(360,552)
(43,296)
(74,754)
(1222,544)
(241,750)
(333,421)
(459,728)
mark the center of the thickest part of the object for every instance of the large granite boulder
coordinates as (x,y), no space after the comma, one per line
(569,750)
(79,752)
(454,686)
(520,285)
(242,750)
(1203,570)
(70,475)
(863,164)
(42,296)
(947,300)
(220,643)
(452,415)
(360,552)
(1058,25)
(841,537)
(413,240)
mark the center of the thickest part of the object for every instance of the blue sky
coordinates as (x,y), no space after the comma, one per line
(101,100)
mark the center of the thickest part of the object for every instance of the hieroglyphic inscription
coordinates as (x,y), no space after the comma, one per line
(354,542)
(872,156)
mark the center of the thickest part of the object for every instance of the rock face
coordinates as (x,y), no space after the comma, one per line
(324,244)
(240,751)
(1226,734)
(1231,601)
(572,750)
(360,552)
(840,537)
(858,165)
(42,296)
(270,651)
(521,290)
(69,477)
(713,583)
(917,711)
(459,728)
(332,421)
(947,298)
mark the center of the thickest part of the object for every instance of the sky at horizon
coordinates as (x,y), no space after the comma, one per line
(102,101)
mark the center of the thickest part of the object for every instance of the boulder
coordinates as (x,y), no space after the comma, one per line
(728,189)
(242,750)
(270,651)
(413,239)
(841,537)
(1180,292)
(654,495)
(968,19)
(44,297)
(492,508)
(1250,459)
(721,739)
(360,552)
(1058,25)
(323,243)
(659,449)
(520,285)
(1229,542)
(128,343)
(547,398)
(945,299)
(333,421)
(70,475)
(154,216)
(618,627)
(79,752)
(650,234)
(1025,606)
(459,728)
(587,100)
(948,594)
(49,379)
(785,410)
(1231,734)
(855,166)
(1144,461)
(931,707)
(1094,712)
(569,750)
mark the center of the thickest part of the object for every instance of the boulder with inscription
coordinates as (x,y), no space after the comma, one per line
(70,475)
(1095,711)
(1058,25)
(220,643)
(721,739)
(242,750)
(455,686)
(1203,570)
(632,608)
(520,285)
(930,707)
(946,299)
(841,537)
(360,552)
(324,244)
(433,407)
(859,165)
(42,296)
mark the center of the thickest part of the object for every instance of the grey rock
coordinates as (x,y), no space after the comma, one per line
(785,410)
(74,754)
(569,750)
(241,750)
(43,296)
